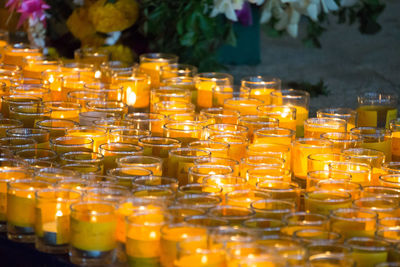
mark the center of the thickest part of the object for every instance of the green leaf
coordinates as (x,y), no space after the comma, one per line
(231,37)
(188,39)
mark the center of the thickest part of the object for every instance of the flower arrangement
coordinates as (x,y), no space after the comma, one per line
(193,29)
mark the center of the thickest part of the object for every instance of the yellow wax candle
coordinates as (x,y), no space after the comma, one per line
(369,258)
(21,210)
(323,202)
(153,70)
(93,233)
(396,146)
(301,116)
(384,146)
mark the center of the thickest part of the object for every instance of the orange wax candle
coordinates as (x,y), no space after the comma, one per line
(202,258)
(143,237)
(301,149)
(205,83)
(187,237)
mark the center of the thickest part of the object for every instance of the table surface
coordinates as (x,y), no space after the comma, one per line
(13,254)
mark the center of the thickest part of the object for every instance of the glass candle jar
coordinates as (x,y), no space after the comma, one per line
(8,101)
(93,233)
(107,106)
(185,132)
(205,82)
(274,136)
(185,236)
(360,172)
(234,164)
(301,149)
(342,141)
(136,91)
(197,173)
(89,55)
(6,124)
(254,122)
(323,202)
(29,115)
(180,160)
(272,208)
(217,149)
(260,87)
(15,54)
(159,147)
(368,251)
(376,109)
(98,135)
(41,136)
(285,114)
(152,62)
(66,144)
(57,127)
(177,70)
(221,115)
(246,106)
(9,174)
(143,237)
(21,209)
(304,220)
(298,99)
(237,144)
(353,222)
(315,127)
(320,162)
(64,110)
(376,138)
(147,121)
(113,151)
(154,164)
(231,129)
(169,94)
(52,219)
(347,114)
(83,97)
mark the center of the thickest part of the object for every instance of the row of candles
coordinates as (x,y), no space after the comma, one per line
(157,164)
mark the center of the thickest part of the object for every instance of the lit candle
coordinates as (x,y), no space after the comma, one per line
(187,237)
(93,232)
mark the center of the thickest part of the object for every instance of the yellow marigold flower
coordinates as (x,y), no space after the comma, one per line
(120,52)
(79,24)
(111,17)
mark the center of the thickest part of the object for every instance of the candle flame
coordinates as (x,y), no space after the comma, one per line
(59,213)
(153,235)
(97,74)
(204,259)
(131,96)
(93,218)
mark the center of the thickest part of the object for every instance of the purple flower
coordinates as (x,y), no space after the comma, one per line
(32,9)
(12,5)
(244,14)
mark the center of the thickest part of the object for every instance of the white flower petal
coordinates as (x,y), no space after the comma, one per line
(312,11)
